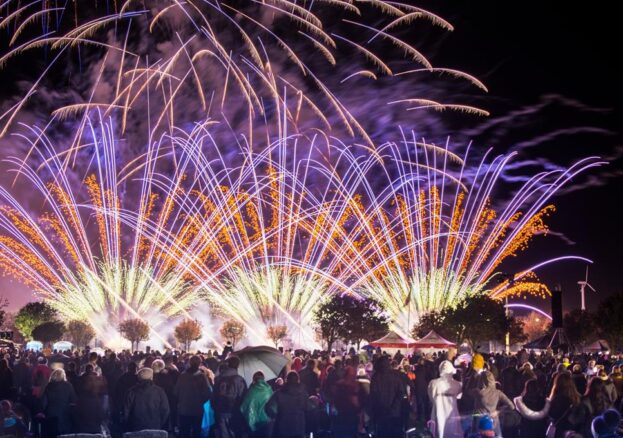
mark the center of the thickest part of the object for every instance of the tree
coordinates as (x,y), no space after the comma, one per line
(32,315)
(80,333)
(232,331)
(4,303)
(534,325)
(135,331)
(516,330)
(476,319)
(330,318)
(433,320)
(610,321)
(49,332)
(580,326)
(188,331)
(277,333)
(366,320)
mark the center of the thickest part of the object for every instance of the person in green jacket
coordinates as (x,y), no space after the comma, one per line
(252,407)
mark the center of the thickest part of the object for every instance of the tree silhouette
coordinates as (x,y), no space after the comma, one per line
(232,331)
(135,331)
(277,333)
(80,333)
(48,332)
(188,331)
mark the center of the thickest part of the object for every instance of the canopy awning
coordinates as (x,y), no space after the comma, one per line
(393,340)
(433,340)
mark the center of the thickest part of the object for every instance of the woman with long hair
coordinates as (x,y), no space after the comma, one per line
(595,402)
(565,401)
(534,408)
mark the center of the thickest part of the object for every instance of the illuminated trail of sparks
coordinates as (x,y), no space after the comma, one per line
(527,307)
(76,254)
(221,52)
(266,234)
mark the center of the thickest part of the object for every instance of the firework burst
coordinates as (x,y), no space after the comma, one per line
(438,232)
(247,59)
(75,251)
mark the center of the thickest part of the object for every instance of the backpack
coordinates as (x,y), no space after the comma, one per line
(226,394)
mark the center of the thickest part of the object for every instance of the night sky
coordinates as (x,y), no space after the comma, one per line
(528,53)
(524,52)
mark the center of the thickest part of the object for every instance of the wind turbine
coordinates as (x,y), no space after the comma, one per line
(583,285)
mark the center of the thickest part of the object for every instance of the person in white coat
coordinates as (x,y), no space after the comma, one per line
(443,393)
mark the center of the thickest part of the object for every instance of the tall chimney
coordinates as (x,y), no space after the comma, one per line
(557,307)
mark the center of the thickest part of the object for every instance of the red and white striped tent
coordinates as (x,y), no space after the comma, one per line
(393,340)
(433,341)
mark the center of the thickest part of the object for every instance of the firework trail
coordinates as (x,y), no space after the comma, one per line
(439,231)
(265,236)
(75,252)
(249,60)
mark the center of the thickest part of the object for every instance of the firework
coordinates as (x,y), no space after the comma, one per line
(275,59)
(74,251)
(262,249)
(263,235)
(425,229)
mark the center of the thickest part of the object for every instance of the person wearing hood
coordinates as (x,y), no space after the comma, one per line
(443,393)
(288,407)
(487,398)
(146,405)
(252,407)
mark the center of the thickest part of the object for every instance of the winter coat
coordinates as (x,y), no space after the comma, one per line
(229,390)
(146,407)
(579,379)
(487,398)
(309,378)
(90,407)
(533,416)
(443,394)
(40,377)
(252,407)
(22,378)
(288,406)
(346,398)
(511,382)
(122,387)
(6,384)
(564,415)
(387,391)
(166,380)
(58,400)
(191,391)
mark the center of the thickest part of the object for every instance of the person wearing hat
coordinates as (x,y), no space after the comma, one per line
(443,393)
(486,428)
(146,405)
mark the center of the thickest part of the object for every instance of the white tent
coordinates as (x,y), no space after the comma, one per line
(432,342)
(393,340)
(34,345)
(62,346)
